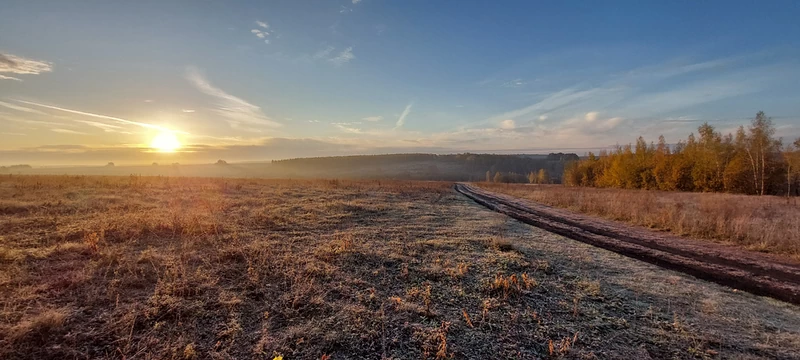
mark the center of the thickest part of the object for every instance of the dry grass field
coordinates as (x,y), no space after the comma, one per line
(190,268)
(761,223)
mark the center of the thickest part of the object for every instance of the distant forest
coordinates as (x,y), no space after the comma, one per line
(459,167)
(751,161)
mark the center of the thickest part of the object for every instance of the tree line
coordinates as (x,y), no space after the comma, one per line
(534,177)
(751,161)
(451,167)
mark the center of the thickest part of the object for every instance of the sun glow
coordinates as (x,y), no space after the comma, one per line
(165,142)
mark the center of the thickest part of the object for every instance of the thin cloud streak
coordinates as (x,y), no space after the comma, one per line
(103,126)
(100,116)
(35,122)
(3,77)
(402,119)
(21,108)
(67,131)
(556,100)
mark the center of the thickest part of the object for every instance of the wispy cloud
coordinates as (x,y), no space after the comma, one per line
(373,118)
(3,77)
(34,122)
(324,53)
(402,119)
(187,110)
(344,57)
(552,102)
(675,68)
(591,116)
(21,108)
(67,131)
(19,65)
(349,129)
(514,83)
(501,82)
(356,1)
(261,33)
(237,112)
(103,126)
(100,116)
(684,96)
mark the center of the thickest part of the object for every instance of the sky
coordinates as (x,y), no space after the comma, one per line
(88,82)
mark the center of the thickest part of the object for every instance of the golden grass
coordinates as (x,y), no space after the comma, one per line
(761,223)
(189,268)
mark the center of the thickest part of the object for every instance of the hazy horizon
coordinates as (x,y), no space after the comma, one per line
(192,82)
(161,158)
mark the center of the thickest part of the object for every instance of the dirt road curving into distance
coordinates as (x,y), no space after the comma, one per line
(758,273)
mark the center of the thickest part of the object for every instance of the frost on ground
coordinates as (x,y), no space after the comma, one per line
(104,267)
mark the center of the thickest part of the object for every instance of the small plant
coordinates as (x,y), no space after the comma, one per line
(591,288)
(39,326)
(466,318)
(344,242)
(509,286)
(501,244)
(528,282)
(485,307)
(562,347)
(442,337)
(189,353)
(92,241)
(462,269)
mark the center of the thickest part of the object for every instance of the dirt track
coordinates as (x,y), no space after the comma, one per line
(758,273)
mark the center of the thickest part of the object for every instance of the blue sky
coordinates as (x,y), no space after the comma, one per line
(95,81)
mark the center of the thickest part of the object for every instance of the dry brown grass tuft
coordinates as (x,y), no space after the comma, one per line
(762,223)
(510,286)
(501,244)
(37,328)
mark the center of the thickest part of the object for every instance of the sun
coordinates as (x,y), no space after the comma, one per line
(165,142)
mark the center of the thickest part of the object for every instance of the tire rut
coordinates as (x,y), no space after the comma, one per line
(756,273)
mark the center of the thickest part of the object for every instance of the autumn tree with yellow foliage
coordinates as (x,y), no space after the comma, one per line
(752,161)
